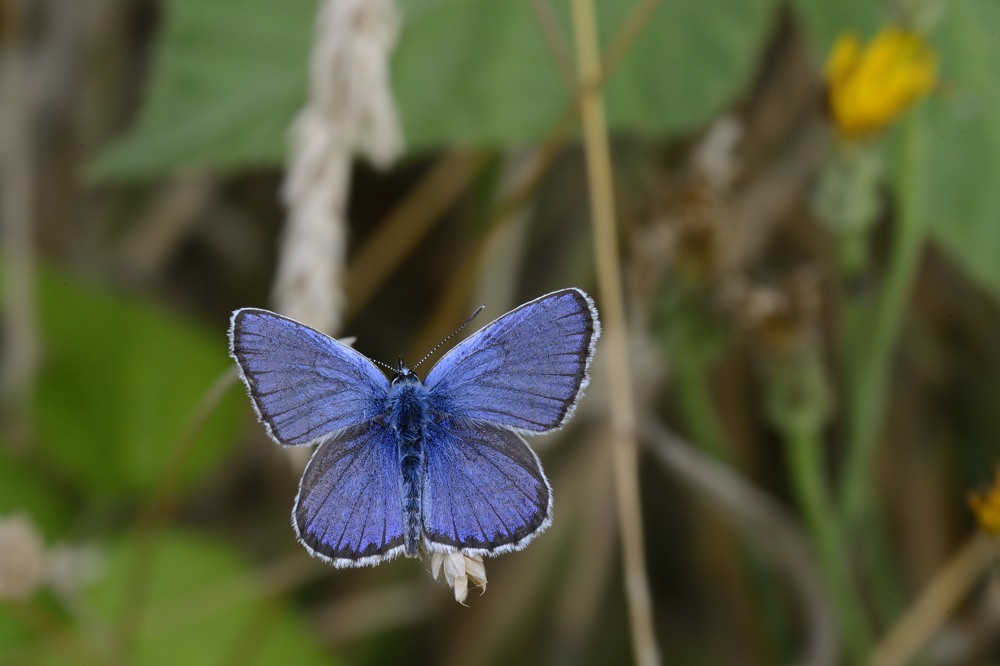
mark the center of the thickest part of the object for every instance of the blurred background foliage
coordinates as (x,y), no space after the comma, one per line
(852,392)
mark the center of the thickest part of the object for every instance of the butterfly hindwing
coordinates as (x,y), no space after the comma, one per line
(348,509)
(304,385)
(484,489)
(525,370)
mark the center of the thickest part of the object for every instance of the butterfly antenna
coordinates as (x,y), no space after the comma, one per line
(453,334)
(384,365)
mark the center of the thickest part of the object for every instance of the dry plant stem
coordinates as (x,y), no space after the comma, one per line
(938,600)
(623,420)
(371,267)
(626,36)
(590,572)
(505,254)
(554,39)
(517,588)
(400,233)
(513,206)
(19,354)
(159,507)
(165,224)
(375,611)
(761,521)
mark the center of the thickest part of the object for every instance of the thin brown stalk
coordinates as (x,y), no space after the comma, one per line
(417,213)
(630,30)
(517,589)
(938,600)
(375,611)
(556,42)
(409,223)
(762,522)
(623,418)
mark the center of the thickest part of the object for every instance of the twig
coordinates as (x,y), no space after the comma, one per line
(373,265)
(623,420)
(949,586)
(762,521)
(556,42)
(408,224)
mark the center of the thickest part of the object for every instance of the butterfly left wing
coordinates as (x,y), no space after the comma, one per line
(349,507)
(484,489)
(304,385)
(526,370)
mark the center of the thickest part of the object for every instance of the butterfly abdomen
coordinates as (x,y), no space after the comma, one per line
(407,407)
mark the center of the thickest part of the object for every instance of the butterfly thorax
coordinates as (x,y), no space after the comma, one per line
(407,402)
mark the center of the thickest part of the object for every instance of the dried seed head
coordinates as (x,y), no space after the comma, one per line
(459,570)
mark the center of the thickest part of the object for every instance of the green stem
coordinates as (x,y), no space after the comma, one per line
(694,396)
(870,335)
(804,453)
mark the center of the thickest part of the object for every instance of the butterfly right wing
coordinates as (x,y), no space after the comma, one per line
(524,371)
(484,492)
(348,511)
(304,385)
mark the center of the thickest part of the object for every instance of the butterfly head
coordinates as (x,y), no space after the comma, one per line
(403,374)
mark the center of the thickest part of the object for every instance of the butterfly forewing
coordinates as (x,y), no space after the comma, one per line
(525,370)
(304,385)
(348,508)
(484,489)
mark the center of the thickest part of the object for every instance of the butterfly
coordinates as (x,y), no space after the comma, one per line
(404,466)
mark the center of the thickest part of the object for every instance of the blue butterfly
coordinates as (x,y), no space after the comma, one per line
(410,467)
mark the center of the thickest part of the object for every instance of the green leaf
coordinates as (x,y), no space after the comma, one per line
(480,72)
(690,62)
(203,606)
(120,382)
(25,491)
(825,21)
(229,77)
(961,129)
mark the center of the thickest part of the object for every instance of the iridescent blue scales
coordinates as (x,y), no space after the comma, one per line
(404,466)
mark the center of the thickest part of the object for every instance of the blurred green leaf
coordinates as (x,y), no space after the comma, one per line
(689,63)
(960,127)
(228,78)
(120,381)
(25,492)
(204,606)
(824,21)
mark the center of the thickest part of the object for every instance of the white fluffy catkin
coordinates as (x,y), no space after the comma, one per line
(350,110)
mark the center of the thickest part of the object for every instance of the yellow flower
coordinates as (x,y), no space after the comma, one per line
(986,506)
(869,88)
